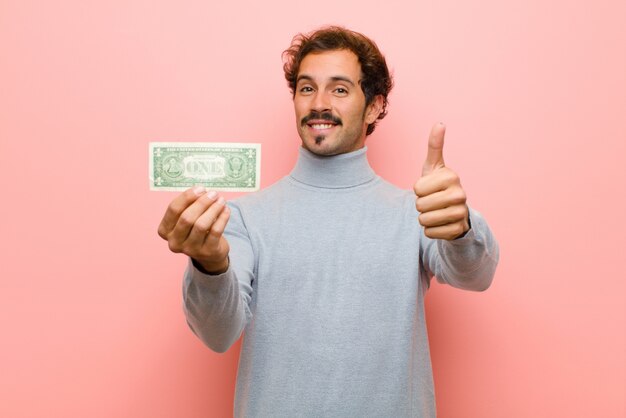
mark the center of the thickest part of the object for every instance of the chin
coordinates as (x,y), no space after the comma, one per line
(325,149)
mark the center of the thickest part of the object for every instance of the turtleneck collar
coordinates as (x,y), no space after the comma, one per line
(333,172)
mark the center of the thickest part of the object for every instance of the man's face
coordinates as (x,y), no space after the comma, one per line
(331,115)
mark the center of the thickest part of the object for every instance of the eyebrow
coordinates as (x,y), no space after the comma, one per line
(335,78)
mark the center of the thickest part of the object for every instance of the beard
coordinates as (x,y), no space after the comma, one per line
(314,115)
(339,141)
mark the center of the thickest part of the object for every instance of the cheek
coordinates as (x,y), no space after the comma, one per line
(355,115)
(300,110)
(355,110)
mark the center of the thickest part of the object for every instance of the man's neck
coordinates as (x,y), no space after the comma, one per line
(333,172)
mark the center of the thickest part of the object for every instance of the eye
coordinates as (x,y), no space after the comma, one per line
(341,91)
(306,89)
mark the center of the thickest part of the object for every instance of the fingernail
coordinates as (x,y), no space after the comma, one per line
(212,194)
(221,200)
(198,190)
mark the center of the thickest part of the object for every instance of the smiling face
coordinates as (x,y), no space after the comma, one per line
(331,114)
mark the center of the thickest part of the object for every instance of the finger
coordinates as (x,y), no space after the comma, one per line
(436,182)
(218,227)
(187,220)
(434,157)
(203,224)
(176,208)
(440,200)
(445,216)
(447,232)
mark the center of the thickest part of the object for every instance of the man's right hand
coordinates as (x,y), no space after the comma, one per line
(194,225)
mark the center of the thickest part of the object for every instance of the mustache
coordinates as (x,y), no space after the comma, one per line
(321,116)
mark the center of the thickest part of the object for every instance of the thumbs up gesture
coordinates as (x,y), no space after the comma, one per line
(440,197)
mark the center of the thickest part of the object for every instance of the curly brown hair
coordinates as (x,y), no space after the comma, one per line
(375,77)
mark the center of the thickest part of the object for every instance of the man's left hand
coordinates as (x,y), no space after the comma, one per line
(440,197)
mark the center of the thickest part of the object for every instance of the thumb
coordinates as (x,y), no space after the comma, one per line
(434,157)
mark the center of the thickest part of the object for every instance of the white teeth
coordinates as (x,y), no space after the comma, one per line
(322,126)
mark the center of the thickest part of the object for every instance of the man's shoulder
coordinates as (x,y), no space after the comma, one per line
(395,192)
(261,197)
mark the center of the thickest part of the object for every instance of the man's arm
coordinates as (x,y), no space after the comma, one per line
(467,263)
(214,300)
(217,305)
(456,243)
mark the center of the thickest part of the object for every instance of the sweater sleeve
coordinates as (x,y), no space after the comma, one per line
(467,263)
(217,306)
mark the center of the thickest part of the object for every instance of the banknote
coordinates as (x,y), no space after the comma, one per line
(233,167)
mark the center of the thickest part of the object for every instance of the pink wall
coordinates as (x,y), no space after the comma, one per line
(534,96)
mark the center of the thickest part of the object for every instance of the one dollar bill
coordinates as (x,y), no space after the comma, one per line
(232,167)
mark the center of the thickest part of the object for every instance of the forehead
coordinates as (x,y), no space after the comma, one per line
(329,64)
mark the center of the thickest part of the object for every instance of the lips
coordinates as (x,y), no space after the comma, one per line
(320,125)
(321,120)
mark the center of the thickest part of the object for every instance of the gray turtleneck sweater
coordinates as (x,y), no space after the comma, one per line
(328,271)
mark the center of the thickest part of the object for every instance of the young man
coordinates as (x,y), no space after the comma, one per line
(326,270)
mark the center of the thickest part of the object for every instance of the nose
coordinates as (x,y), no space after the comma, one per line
(321,102)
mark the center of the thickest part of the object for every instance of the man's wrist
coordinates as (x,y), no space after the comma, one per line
(212,269)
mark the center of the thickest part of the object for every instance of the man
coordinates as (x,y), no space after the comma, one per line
(326,270)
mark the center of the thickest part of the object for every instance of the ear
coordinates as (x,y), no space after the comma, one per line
(374,109)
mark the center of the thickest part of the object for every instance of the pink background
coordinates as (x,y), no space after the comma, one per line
(534,96)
